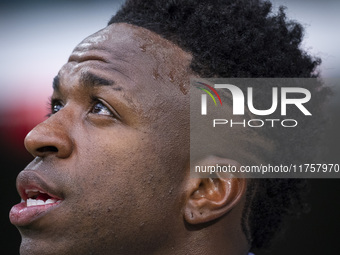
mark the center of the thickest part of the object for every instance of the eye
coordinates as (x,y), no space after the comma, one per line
(101,109)
(55,106)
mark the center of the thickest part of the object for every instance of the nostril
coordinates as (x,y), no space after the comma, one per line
(47,149)
(50,139)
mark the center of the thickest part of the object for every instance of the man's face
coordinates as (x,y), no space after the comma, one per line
(112,156)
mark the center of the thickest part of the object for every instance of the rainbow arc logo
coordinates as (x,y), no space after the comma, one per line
(204,97)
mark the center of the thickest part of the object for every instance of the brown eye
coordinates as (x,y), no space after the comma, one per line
(100,108)
(56,107)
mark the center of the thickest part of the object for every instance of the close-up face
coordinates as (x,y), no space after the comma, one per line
(179,127)
(111,159)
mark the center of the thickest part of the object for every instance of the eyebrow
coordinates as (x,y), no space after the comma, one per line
(88,79)
(56,83)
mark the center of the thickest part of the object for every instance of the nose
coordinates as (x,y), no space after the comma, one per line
(49,138)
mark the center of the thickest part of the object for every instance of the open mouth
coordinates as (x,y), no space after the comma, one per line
(36,197)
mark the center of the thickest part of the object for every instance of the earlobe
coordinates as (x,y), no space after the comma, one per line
(211,198)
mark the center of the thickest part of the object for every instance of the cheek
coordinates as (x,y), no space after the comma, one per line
(116,176)
(119,189)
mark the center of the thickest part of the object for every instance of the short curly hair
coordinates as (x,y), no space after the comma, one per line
(243,38)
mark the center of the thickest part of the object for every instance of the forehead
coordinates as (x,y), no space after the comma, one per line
(136,53)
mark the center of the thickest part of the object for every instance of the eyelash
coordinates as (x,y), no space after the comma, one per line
(51,103)
(94,102)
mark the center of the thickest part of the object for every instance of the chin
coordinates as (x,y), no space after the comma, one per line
(29,246)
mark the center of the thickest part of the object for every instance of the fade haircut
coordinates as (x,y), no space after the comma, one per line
(244,38)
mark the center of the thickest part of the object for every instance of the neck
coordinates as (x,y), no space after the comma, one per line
(220,237)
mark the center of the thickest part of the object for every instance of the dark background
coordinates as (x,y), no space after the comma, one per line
(37,37)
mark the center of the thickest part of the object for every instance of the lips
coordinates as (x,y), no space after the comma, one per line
(39,197)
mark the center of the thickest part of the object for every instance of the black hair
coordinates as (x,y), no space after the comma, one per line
(244,38)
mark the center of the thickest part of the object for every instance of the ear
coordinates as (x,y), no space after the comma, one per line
(209,198)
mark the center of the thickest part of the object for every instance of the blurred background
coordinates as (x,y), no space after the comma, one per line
(38,36)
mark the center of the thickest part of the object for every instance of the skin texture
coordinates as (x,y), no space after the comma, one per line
(118,156)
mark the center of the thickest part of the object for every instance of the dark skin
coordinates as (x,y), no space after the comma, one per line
(115,153)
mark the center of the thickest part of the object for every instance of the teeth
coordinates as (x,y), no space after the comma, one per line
(31,190)
(33,202)
(50,201)
(40,202)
